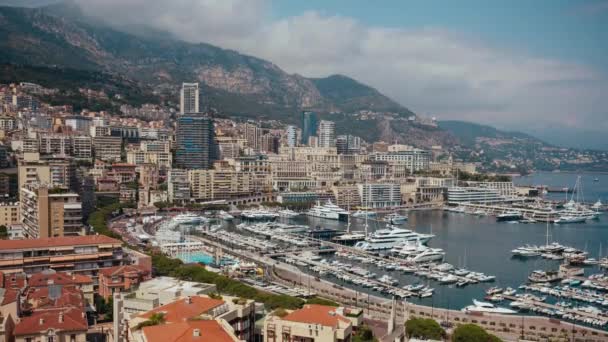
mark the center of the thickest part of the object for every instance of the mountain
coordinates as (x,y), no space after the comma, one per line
(57,36)
(471,133)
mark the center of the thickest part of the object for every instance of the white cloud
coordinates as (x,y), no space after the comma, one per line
(431,70)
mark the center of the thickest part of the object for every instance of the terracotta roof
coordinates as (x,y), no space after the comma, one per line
(57,241)
(119,270)
(181,310)
(74,319)
(68,297)
(13,280)
(210,331)
(43,279)
(316,314)
(9,296)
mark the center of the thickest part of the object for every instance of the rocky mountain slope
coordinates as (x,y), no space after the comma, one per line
(56,36)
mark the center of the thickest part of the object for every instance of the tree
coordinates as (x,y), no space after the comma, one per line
(3,232)
(364,334)
(155,319)
(473,333)
(424,328)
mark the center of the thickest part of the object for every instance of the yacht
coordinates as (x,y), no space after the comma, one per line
(481,307)
(526,251)
(432,254)
(571,219)
(225,216)
(328,211)
(395,218)
(509,216)
(543,277)
(409,249)
(364,214)
(287,213)
(349,239)
(389,238)
(188,218)
(258,214)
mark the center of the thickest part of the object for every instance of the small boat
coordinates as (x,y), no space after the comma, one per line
(494,290)
(395,218)
(287,213)
(596,179)
(364,214)
(509,291)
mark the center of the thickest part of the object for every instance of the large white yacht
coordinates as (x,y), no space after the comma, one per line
(389,238)
(431,254)
(328,211)
(188,218)
(487,307)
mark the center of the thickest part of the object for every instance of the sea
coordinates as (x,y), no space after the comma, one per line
(481,244)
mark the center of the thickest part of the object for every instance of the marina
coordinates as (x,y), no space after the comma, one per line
(438,258)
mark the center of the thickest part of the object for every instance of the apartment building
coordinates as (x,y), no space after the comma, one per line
(317,323)
(107,148)
(178,186)
(9,213)
(53,171)
(84,255)
(220,184)
(235,315)
(158,291)
(121,279)
(50,212)
(412,160)
(380,195)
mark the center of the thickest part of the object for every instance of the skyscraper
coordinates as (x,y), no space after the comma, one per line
(188,101)
(195,139)
(253,134)
(348,144)
(327,133)
(309,126)
(292,136)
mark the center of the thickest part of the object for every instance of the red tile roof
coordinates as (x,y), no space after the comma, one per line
(74,319)
(57,241)
(10,296)
(69,297)
(43,279)
(13,280)
(316,314)
(181,310)
(120,270)
(210,331)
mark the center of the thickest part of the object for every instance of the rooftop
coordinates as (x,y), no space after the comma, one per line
(184,309)
(57,242)
(46,278)
(317,314)
(68,319)
(208,331)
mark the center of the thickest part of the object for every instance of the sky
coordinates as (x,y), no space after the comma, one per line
(536,66)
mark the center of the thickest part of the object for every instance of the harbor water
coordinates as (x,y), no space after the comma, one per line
(481,244)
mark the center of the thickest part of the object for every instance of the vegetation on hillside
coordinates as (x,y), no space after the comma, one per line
(472,333)
(424,328)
